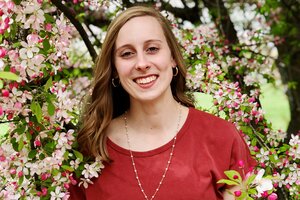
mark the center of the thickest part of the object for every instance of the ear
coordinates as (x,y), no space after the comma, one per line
(174,64)
(114,73)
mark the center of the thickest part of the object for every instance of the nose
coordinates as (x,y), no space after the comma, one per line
(142,63)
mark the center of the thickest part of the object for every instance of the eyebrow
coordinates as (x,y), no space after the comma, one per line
(146,42)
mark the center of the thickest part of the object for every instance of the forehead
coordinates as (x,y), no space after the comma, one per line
(139,29)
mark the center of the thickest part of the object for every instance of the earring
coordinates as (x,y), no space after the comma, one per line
(113,82)
(176,71)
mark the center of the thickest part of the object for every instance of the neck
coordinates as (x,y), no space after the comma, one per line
(153,117)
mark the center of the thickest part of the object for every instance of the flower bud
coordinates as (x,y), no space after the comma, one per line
(273,196)
(20,174)
(44,191)
(237,193)
(5,93)
(241,164)
(12,171)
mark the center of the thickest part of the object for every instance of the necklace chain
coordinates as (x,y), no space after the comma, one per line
(168,163)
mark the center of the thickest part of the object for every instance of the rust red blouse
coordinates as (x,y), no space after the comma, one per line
(206,146)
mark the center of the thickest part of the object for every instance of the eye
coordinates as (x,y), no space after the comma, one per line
(152,49)
(126,54)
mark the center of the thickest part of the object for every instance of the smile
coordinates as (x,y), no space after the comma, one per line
(146,80)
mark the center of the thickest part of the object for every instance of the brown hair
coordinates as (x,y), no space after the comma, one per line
(108,102)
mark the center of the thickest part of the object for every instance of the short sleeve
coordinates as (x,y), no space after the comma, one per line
(238,151)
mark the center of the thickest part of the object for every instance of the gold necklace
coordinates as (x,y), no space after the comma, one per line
(168,163)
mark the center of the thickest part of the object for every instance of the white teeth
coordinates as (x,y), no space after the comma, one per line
(145,80)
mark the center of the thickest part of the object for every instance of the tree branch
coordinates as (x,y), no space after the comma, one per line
(222,19)
(78,26)
(186,13)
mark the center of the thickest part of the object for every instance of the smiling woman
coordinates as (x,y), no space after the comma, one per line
(143,61)
(146,128)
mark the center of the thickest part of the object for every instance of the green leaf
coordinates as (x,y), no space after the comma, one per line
(46,45)
(21,179)
(49,147)
(20,130)
(48,84)
(55,172)
(14,143)
(250,179)
(20,144)
(1,84)
(17,2)
(78,155)
(242,197)
(36,110)
(252,191)
(32,154)
(66,167)
(29,136)
(9,76)
(228,182)
(231,174)
(49,18)
(50,108)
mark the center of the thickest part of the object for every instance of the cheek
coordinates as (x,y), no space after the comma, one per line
(122,69)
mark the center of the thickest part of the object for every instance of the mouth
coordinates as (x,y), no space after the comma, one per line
(145,80)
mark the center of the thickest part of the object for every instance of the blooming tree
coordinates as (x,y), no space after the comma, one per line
(43,84)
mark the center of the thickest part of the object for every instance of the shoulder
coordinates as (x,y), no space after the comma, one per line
(212,129)
(208,120)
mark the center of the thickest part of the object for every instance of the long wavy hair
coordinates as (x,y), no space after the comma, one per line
(107,102)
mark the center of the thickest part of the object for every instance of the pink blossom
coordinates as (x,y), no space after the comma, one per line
(4,24)
(48,27)
(18,105)
(272,196)
(251,100)
(256,149)
(44,191)
(37,143)
(39,193)
(33,39)
(1,111)
(10,5)
(264,194)
(45,176)
(2,158)
(13,171)
(3,52)
(66,185)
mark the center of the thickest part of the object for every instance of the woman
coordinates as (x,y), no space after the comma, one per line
(157,146)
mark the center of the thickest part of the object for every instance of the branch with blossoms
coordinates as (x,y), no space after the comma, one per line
(78,26)
(210,64)
(38,157)
(253,185)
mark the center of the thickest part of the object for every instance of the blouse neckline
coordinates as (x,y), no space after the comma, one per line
(157,150)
